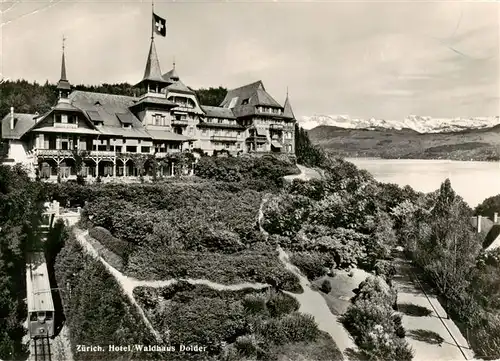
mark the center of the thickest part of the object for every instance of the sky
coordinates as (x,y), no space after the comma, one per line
(365,59)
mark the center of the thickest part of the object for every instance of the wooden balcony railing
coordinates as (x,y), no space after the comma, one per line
(224,138)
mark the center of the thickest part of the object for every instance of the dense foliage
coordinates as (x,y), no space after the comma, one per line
(234,325)
(21,205)
(488,207)
(340,221)
(306,153)
(96,311)
(371,320)
(438,236)
(197,230)
(28,97)
(268,168)
(211,96)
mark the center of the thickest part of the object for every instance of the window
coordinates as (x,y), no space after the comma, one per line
(238,145)
(131,149)
(204,132)
(239,133)
(144,149)
(58,118)
(159,119)
(219,121)
(245,101)
(227,146)
(232,104)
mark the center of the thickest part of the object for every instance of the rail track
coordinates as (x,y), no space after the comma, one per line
(40,349)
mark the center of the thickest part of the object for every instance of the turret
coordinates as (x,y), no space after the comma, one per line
(63,86)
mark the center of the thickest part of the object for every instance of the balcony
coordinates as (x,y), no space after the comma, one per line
(223,138)
(54,153)
(183,122)
(66,125)
(275,126)
(102,153)
(165,154)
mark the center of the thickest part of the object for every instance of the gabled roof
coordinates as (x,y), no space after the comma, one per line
(218,112)
(106,107)
(492,239)
(179,87)
(22,123)
(486,225)
(167,135)
(251,94)
(288,112)
(152,71)
(66,107)
(164,102)
(171,75)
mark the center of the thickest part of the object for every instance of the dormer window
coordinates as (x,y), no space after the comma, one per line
(232,104)
(127,126)
(245,101)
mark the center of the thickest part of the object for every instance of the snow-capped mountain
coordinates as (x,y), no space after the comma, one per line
(421,124)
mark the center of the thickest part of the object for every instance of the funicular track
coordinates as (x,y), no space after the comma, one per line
(40,349)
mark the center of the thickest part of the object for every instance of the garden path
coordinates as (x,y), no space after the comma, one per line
(312,302)
(128,284)
(414,296)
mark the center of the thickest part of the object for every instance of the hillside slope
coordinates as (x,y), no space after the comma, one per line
(473,144)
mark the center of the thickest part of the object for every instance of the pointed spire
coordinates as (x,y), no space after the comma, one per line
(172,73)
(63,85)
(152,71)
(288,112)
(63,63)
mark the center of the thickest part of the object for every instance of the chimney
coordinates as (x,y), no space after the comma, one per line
(479,224)
(11,118)
(495,217)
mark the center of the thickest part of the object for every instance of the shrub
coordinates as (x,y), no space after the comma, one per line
(398,325)
(313,188)
(326,286)
(255,304)
(285,214)
(376,329)
(115,245)
(375,289)
(386,269)
(295,327)
(310,263)
(281,304)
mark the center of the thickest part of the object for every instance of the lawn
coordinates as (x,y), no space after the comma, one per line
(338,299)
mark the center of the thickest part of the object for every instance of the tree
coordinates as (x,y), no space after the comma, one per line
(306,153)
(211,96)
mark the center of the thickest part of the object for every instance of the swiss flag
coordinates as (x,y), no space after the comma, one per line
(159,25)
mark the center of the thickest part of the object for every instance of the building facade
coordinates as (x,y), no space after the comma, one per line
(109,135)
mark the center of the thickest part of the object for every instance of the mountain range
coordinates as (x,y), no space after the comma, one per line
(420,124)
(479,144)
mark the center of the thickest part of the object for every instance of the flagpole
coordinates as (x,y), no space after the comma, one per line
(152,19)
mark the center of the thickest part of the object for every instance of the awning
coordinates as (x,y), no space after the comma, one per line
(260,131)
(276,144)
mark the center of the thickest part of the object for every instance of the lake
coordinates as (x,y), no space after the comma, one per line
(473,181)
